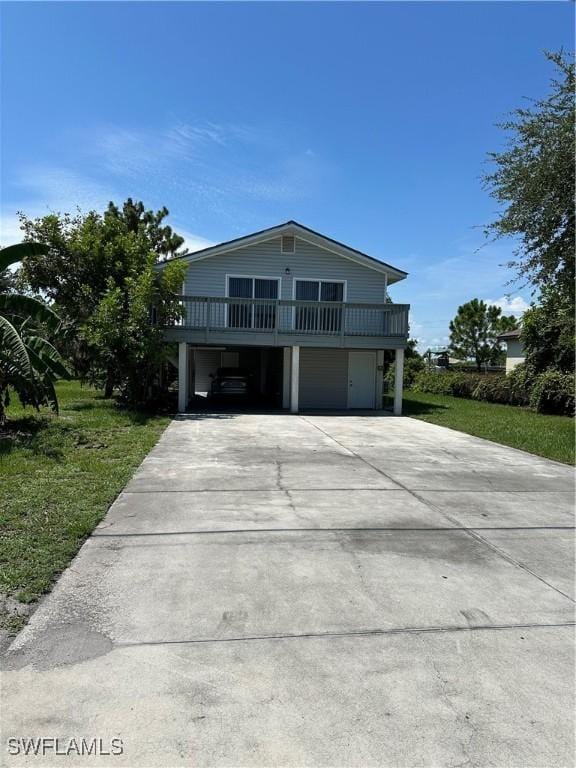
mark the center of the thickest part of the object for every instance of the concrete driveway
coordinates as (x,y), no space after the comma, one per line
(280,590)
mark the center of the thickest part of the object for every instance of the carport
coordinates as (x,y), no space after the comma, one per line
(263,365)
(291,378)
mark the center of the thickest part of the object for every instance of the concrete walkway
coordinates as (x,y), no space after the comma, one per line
(275,590)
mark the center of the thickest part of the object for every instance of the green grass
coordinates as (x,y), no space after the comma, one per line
(549,436)
(58,476)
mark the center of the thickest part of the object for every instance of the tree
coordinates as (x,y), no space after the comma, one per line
(29,364)
(548,333)
(534,180)
(7,281)
(411,351)
(121,331)
(89,253)
(474,332)
(413,364)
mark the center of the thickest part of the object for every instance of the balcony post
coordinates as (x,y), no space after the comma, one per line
(182,377)
(208,310)
(398,381)
(294,379)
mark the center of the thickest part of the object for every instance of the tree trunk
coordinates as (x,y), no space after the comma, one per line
(109,385)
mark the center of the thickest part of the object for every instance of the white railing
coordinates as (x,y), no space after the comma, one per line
(292,317)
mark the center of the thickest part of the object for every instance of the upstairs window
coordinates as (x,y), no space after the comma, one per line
(251,314)
(319,290)
(319,319)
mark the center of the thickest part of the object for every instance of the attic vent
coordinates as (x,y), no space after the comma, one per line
(288,244)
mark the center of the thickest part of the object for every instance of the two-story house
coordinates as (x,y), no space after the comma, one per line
(309,317)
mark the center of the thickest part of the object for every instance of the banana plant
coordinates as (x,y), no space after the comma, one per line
(29,364)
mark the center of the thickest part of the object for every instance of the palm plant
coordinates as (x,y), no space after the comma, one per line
(29,363)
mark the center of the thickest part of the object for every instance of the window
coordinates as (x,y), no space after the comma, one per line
(288,244)
(249,314)
(320,319)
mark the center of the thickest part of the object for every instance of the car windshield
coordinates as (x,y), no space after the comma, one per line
(224,373)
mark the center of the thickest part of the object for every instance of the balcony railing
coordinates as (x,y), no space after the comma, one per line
(279,316)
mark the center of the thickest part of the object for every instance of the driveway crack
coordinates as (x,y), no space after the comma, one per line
(462,719)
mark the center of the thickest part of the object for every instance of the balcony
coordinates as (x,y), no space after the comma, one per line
(270,322)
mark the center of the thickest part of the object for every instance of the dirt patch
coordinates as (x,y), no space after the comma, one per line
(13,616)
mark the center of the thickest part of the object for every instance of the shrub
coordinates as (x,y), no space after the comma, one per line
(446,383)
(553,392)
(522,376)
(501,389)
(464,384)
(412,367)
(494,390)
(548,392)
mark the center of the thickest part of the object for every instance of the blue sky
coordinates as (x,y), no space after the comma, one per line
(368,122)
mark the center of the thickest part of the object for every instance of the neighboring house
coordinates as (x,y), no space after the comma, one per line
(514,349)
(309,317)
(443,360)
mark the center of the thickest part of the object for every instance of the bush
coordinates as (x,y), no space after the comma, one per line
(522,377)
(553,392)
(412,367)
(502,389)
(446,383)
(548,392)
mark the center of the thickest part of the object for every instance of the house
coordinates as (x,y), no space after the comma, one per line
(308,316)
(514,348)
(441,359)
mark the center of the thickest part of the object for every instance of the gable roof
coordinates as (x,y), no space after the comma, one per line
(303,233)
(514,334)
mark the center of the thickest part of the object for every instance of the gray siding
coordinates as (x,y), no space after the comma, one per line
(515,354)
(208,277)
(323,378)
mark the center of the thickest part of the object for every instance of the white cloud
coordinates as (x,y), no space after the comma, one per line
(51,188)
(10,232)
(225,173)
(510,305)
(191,241)
(211,164)
(130,152)
(221,175)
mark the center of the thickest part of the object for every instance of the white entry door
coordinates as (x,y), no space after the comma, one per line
(361,378)
(206,362)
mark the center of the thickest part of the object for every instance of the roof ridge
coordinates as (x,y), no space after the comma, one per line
(276,227)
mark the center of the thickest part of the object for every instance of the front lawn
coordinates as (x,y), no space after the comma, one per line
(549,436)
(58,476)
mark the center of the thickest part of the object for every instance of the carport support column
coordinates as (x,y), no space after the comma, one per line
(286,378)
(182,377)
(294,379)
(398,381)
(379,399)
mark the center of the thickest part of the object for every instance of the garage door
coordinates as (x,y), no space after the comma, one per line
(323,378)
